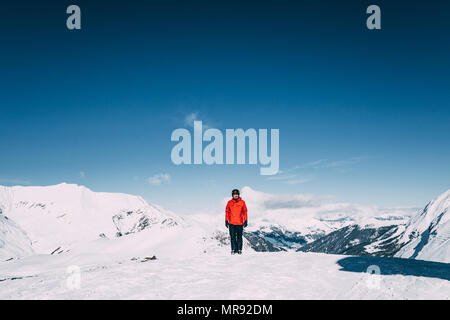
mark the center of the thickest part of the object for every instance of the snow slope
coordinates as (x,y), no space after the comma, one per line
(14,242)
(353,240)
(427,235)
(281,275)
(64,215)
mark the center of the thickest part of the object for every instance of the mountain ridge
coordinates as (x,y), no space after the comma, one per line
(63,215)
(425,236)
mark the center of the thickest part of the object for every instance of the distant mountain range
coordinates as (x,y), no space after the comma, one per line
(56,219)
(426,236)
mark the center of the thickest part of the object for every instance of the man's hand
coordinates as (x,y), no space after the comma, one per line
(245,223)
(226,223)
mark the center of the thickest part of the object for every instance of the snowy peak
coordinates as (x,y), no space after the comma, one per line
(65,214)
(427,235)
(131,221)
(431,215)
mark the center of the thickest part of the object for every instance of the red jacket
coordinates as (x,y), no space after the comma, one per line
(236,212)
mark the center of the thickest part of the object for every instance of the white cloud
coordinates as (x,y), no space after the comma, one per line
(194,116)
(190,118)
(159,179)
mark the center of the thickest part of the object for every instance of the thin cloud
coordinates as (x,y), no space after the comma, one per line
(282,177)
(291,179)
(346,162)
(159,179)
(297,181)
(190,118)
(314,164)
(289,176)
(194,116)
(326,163)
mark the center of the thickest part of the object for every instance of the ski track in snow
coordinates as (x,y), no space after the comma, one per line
(280,275)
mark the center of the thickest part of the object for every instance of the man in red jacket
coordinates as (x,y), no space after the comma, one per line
(236,220)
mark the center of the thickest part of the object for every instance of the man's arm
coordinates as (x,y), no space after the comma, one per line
(244,212)
(227,215)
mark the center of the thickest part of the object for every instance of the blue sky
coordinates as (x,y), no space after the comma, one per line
(363,115)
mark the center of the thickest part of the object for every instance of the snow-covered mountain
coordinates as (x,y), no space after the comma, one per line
(354,240)
(14,243)
(58,218)
(61,216)
(427,235)
(290,221)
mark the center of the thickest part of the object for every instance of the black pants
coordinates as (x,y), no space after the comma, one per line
(236,237)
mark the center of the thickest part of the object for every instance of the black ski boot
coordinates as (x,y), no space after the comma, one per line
(239,252)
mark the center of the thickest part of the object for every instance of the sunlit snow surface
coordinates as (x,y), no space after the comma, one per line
(107,272)
(428,233)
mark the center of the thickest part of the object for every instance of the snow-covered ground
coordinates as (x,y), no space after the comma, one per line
(68,242)
(218,275)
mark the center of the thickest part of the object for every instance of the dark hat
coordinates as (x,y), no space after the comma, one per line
(235,191)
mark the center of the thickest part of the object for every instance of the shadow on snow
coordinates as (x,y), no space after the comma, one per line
(393,266)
